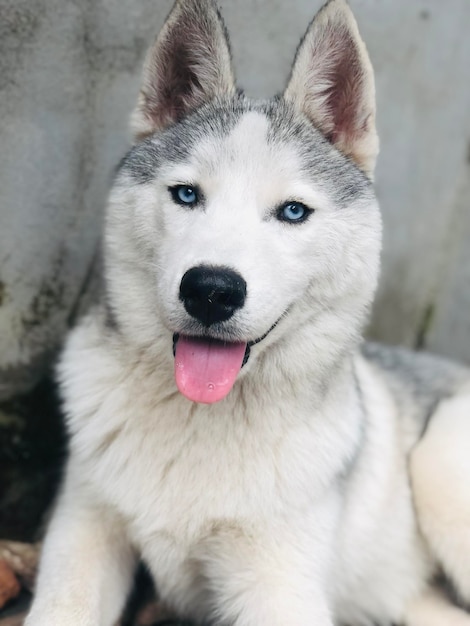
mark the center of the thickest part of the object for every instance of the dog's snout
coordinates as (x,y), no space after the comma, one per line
(212,294)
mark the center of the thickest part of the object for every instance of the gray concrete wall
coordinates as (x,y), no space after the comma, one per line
(69,74)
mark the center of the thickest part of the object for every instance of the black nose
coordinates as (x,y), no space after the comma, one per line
(212,294)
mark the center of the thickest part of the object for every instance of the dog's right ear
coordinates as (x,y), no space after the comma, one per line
(188,65)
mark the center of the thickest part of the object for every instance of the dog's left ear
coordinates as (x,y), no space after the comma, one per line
(188,65)
(332,83)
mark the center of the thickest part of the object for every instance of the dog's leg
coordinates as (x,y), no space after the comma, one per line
(432,608)
(267,580)
(269,594)
(440,474)
(85,570)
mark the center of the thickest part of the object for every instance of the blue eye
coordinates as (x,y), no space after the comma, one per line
(293,212)
(186,195)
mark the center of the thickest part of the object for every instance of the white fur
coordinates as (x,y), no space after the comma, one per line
(440,470)
(288,502)
(432,608)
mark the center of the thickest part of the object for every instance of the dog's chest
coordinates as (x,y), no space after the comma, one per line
(177,469)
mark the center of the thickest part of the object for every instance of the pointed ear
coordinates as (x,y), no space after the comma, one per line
(188,65)
(332,83)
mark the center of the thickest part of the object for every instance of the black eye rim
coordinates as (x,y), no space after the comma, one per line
(280,215)
(174,189)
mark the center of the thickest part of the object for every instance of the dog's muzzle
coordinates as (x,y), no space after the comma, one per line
(206,367)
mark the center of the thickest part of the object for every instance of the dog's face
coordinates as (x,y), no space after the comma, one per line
(232,220)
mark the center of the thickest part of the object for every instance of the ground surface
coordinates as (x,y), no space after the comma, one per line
(32,449)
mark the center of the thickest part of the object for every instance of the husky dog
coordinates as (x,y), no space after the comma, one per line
(226,425)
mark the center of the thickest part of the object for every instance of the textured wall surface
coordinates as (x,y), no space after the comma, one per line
(69,75)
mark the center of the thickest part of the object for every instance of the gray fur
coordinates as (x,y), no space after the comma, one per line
(418,381)
(323,162)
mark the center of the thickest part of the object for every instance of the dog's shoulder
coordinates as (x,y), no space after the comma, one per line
(418,381)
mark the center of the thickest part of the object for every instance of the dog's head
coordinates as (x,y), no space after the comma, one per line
(232,223)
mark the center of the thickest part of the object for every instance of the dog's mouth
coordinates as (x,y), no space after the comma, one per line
(206,368)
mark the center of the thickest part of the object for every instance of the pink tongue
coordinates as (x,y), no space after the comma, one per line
(206,370)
